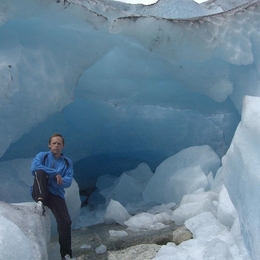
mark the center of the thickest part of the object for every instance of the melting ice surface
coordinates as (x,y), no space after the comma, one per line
(148,99)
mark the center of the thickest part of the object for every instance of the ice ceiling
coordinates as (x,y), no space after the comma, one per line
(124,83)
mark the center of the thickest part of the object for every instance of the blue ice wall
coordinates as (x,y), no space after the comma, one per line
(124,84)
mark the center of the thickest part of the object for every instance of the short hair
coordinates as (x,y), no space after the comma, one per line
(55,135)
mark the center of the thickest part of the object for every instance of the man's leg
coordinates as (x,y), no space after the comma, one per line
(39,189)
(60,211)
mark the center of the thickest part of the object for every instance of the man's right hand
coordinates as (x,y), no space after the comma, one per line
(59,179)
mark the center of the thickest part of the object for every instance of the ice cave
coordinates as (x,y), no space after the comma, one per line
(165,85)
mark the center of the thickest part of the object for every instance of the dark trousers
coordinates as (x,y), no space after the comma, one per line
(58,207)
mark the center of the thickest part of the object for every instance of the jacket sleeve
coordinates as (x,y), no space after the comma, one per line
(67,176)
(67,179)
(66,173)
(37,165)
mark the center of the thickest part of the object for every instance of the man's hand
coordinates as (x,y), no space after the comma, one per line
(59,179)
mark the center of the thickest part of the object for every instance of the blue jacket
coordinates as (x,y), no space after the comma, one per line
(51,166)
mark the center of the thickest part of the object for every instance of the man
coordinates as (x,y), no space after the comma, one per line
(52,173)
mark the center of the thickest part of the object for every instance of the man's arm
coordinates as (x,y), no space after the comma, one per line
(37,165)
(64,180)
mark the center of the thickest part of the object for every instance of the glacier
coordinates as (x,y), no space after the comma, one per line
(128,84)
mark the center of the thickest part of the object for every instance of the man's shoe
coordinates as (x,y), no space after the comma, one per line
(39,209)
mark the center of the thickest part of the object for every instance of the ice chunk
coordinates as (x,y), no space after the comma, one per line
(226,212)
(101,249)
(217,249)
(181,174)
(162,208)
(117,233)
(148,221)
(191,209)
(115,212)
(198,196)
(14,244)
(22,238)
(204,225)
(129,186)
(126,190)
(73,202)
(142,173)
(240,169)
(85,246)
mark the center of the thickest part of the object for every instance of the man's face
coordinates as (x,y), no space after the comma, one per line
(56,146)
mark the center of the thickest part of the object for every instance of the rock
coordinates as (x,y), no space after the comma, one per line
(181,234)
(138,252)
(144,243)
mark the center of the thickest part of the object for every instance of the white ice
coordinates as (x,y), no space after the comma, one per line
(208,213)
